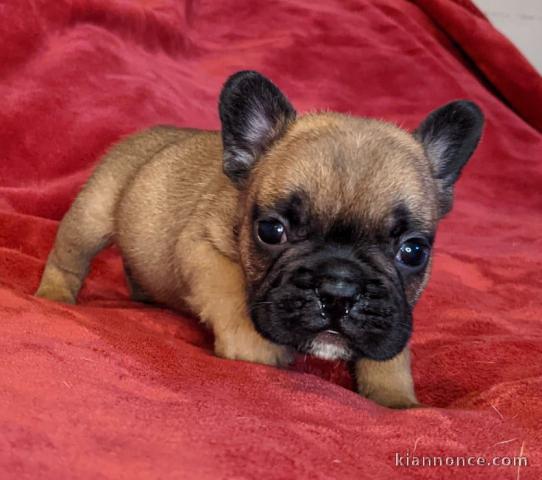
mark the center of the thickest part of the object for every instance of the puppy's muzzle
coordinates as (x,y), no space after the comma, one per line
(332,292)
(338,289)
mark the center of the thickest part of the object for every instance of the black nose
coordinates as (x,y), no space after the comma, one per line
(337,296)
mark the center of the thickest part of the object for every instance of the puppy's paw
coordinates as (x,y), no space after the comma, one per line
(251,347)
(55,293)
(394,399)
(58,284)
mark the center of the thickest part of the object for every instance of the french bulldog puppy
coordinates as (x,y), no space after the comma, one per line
(282,233)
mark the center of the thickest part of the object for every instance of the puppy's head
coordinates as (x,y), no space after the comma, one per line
(338,216)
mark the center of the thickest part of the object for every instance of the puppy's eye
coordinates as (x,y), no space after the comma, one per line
(271,232)
(413,253)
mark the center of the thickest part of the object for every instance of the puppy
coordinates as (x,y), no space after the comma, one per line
(282,233)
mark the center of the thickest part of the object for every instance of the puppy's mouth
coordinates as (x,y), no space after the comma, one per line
(328,345)
(343,311)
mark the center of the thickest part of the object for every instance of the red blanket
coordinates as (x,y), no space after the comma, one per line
(112,389)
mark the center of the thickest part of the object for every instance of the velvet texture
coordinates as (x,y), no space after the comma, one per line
(113,389)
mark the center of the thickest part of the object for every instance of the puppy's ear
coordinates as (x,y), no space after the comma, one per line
(449,136)
(254,114)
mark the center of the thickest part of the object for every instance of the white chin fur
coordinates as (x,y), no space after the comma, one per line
(329,351)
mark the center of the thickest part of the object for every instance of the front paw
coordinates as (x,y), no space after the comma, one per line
(392,398)
(252,348)
(388,383)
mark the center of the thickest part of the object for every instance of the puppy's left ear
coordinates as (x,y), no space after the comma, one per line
(254,114)
(449,136)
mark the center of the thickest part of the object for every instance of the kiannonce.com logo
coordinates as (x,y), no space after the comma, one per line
(410,460)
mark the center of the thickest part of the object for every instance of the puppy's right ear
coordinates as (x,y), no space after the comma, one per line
(254,114)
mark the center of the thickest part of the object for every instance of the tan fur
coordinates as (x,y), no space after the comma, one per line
(162,197)
(387,383)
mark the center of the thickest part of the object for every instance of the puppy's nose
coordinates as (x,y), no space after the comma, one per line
(337,296)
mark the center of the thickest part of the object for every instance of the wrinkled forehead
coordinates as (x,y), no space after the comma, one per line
(368,177)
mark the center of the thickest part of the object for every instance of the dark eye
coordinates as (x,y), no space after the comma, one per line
(413,253)
(271,232)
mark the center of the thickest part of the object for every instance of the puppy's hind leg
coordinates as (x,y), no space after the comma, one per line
(137,293)
(88,226)
(84,231)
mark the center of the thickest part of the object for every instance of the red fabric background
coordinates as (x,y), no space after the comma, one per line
(111,389)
